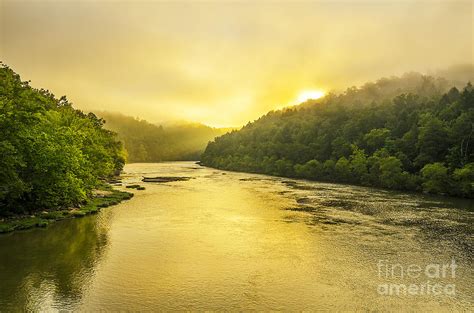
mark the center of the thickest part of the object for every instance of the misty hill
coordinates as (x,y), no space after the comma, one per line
(146,142)
(413,132)
(386,88)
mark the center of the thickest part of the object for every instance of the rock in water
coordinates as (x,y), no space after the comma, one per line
(164,179)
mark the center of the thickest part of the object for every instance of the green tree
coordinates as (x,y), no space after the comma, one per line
(464,181)
(284,167)
(343,170)
(432,140)
(313,169)
(329,170)
(358,164)
(435,178)
(391,174)
(375,139)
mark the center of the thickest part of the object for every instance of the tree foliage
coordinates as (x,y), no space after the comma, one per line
(400,133)
(146,142)
(52,155)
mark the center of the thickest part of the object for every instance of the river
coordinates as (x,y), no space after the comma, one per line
(226,240)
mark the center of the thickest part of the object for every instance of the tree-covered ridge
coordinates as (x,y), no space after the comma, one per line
(146,142)
(421,140)
(52,155)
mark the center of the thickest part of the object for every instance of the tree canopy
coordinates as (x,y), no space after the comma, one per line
(52,155)
(399,133)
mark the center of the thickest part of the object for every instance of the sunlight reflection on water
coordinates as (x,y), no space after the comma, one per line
(237,241)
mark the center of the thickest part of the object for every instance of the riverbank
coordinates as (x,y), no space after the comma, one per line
(104,197)
(418,191)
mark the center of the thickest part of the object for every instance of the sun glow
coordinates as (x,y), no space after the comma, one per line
(306,95)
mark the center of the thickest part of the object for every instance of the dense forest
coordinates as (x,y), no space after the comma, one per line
(407,133)
(52,155)
(146,142)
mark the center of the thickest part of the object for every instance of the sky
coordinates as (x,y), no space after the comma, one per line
(224,63)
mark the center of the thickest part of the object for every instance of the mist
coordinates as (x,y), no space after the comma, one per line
(223,64)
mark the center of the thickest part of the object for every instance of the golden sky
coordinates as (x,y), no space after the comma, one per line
(223,63)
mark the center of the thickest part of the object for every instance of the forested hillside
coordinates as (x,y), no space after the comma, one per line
(51,155)
(408,133)
(146,142)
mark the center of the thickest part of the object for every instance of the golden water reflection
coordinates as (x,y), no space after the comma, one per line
(237,241)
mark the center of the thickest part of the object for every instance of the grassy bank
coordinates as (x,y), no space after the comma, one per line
(104,197)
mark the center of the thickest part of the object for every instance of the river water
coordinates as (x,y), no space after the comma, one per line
(225,240)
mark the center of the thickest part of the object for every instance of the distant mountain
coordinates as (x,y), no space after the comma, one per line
(147,142)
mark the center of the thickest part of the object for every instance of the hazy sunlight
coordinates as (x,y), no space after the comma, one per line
(309,95)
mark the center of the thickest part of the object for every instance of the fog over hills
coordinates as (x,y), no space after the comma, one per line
(147,142)
(413,132)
